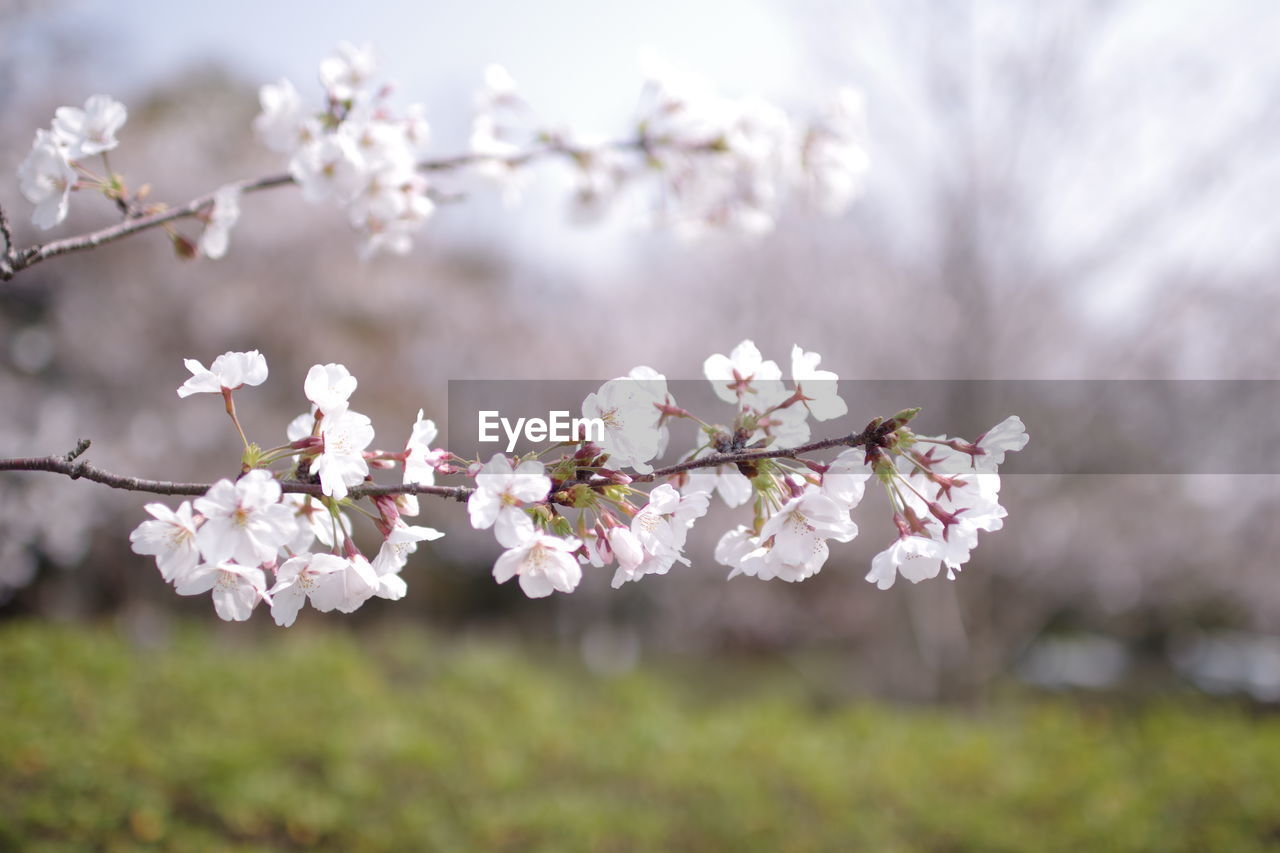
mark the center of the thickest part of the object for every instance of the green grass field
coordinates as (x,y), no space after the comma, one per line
(401,741)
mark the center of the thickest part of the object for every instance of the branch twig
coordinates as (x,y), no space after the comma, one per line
(10,253)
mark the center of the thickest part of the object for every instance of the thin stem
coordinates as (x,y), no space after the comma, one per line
(231,410)
(268,458)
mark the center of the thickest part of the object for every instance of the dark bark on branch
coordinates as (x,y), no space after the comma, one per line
(70,465)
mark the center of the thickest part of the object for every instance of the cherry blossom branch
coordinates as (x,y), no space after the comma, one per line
(70,465)
(14,260)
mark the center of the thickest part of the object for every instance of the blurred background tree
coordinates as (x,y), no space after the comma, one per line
(1058,191)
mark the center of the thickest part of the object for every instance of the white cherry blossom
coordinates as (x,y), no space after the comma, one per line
(1008,435)
(419,463)
(916,558)
(845,480)
(500,493)
(45,179)
(626,548)
(223,215)
(661,528)
(741,550)
(394,555)
(834,155)
(283,125)
(731,484)
(347,589)
(792,543)
(627,407)
(346,75)
(786,426)
(392,207)
(417,131)
(341,464)
(799,532)
(329,387)
(420,460)
(499,131)
(170,537)
(236,589)
(744,371)
(244,521)
(300,427)
(544,564)
(819,386)
(382,145)
(229,371)
(315,523)
(300,578)
(92,130)
(328,168)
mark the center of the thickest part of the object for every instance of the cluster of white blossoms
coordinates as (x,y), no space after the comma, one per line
(708,160)
(55,165)
(703,159)
(556,517)
(230,539)
(942,491)
(353,150)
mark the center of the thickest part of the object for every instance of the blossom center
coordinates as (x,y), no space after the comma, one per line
(539,557)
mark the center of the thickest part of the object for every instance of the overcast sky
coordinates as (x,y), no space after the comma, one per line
(578,55)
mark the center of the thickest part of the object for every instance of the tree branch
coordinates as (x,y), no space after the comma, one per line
(69,465)
(76,470)
(14,261)
(43,251)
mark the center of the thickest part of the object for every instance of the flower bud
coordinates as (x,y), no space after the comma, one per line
(184,248)
(901,419)
(587,453)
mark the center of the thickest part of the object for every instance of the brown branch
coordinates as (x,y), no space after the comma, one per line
(77,470)
(43,251)
(70,465)
(14,261)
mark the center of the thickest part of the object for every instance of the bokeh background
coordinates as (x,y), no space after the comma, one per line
(1058,191)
